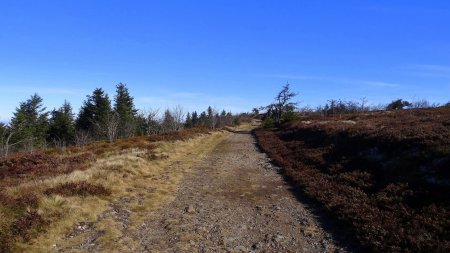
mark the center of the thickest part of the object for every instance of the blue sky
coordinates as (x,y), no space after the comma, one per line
(231,54)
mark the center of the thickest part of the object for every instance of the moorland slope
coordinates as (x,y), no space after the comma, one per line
(385,175)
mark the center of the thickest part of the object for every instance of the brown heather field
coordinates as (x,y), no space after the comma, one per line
(44,194)
(384,175)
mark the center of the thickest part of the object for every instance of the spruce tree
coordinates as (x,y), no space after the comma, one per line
(30,123)
(188,122)
(61,128)
(211,120)
(216,121)
(94,114)
(141,125)
(124,107)
(222,118)
(195,119)
(203,119)
(210,112)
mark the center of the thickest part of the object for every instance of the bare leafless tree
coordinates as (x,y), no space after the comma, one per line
(379,107)
(305,110)
(363,104)
(129,129)
(81,138)
(213,117)
(5,145)
(58,142)
(178,116)
(29,144)
(151,121)
(112,126)
(420,103)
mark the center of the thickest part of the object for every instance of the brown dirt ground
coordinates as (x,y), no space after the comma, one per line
(235,201)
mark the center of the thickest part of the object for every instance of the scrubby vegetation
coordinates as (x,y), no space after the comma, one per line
(33,186)
(382,174)
(41,164)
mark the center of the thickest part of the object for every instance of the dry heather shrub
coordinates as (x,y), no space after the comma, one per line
(103,147)
(28,199)
(140,142)
(23,166)
(385,177)
(78,189)
(19,219)
(28,225)
(184,134)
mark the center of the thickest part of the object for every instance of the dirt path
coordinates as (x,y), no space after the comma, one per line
(234,201)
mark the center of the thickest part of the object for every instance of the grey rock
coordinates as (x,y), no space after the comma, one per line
(190,209)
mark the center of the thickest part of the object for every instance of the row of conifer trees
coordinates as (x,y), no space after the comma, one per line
(33,126)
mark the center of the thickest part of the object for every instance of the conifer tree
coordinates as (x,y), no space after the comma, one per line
(283,102)
(140,124)
(210,113)
(203,119)
(211,117)
(188,122)
(228,118)
(195,119)
(222,118)
(94,114)
(30,123)
(61,127)
(216,121)
(124,107)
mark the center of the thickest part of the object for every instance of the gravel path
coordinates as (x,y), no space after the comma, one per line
(235,201)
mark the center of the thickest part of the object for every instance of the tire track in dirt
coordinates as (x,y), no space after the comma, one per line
(235,201)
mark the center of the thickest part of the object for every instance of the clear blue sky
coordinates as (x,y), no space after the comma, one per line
(231,54)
